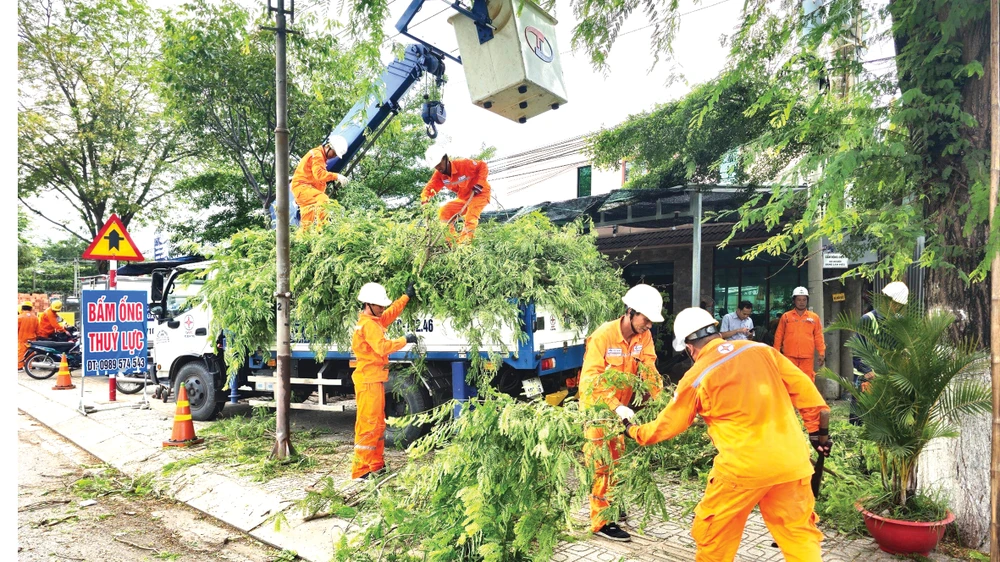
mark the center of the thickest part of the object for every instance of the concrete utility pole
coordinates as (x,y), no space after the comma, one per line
(994,76)
(283,437)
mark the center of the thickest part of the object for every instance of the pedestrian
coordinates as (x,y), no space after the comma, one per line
(467,178)
(49,323)
(738,325)
(371,348)
(622,344)
(311,176)
(27,329)
(800,334)
(748,394)
(899,295)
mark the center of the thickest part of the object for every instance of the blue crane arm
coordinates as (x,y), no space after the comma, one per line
(367,119)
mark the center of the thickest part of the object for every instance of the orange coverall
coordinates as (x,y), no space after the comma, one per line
(801,335)
(27,329)
(309,185)
(48,324)
(606,349)
(371,347)
(465,175)
(747,393)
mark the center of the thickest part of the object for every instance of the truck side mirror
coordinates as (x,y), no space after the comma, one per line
(156,288)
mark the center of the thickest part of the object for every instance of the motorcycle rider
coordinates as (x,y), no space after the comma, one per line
(49,323)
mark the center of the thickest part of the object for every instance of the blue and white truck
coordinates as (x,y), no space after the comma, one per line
(542,354)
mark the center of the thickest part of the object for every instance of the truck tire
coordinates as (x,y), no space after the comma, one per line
(404,395)
(201,391)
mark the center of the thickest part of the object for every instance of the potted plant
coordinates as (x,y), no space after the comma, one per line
(922,384)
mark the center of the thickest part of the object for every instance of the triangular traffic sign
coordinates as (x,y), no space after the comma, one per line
(113,243)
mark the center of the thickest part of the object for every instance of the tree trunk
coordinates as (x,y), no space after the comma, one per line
(949,179)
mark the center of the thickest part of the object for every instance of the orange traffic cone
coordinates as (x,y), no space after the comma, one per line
(183,435)
(63,382)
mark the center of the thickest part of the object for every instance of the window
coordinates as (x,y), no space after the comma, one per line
(583,181)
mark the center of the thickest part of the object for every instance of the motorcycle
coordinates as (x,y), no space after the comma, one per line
(43,357)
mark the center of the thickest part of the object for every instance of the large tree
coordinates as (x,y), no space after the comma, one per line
(893,152)
(90,130)
(217,72)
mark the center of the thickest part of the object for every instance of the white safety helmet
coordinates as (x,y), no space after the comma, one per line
(800,292)
(338,144)
(645,299)
(897,291)
(373,293)
(693,321)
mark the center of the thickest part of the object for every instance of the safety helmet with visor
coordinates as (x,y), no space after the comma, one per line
(693,324)
(338,144)
(897,291)
(57,305)
(374,293)
(645,300)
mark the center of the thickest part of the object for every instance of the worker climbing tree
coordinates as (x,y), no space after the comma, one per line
(467,178)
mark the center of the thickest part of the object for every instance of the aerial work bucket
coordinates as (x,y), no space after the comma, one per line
(517,73)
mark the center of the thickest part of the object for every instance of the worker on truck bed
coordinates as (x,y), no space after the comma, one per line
(620,344)
(49,323)
(800,334)
(27,329)
(311,177)
(747,393)
(467,178)
(371,347)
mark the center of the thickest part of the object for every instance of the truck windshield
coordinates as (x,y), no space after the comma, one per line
(183,296)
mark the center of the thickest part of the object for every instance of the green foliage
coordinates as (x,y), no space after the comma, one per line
(227,197)
(105,481)
(53,268)
(90,130)
(245,445)
(474,285)
(923,383)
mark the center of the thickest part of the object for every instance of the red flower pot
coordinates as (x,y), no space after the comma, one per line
(904,537)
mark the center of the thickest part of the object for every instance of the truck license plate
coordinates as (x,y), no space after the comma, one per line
(532,387)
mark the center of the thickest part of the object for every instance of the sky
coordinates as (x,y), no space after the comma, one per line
(633,84)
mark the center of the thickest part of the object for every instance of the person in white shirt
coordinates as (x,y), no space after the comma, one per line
(737,325)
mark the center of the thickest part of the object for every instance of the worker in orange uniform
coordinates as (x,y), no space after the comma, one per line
(49,323)
(621,344)
(27,329)
(467,178)
(311,176)
(747,393)
(800,334)
(371,348)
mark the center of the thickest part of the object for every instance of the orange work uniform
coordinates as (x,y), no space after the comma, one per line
(371,347)
(465,175)
(48,324)
(799,336)
(607,349)
(27,329)
(309,185)
(747,393)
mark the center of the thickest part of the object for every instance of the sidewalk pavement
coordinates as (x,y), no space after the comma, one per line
(130,440)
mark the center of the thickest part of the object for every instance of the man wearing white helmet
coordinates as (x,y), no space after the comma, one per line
(311,177)
(371,348)
(800,334)
(622,344)
(747,393)
(899,296)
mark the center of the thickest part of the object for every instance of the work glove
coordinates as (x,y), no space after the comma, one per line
(411,338)
(410,291)
(624,412)
(823,448)
(477,189)
(628,425)
(343,180)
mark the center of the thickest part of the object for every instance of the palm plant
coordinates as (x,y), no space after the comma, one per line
(923,383)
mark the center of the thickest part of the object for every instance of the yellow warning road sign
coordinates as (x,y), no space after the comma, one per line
(113,243)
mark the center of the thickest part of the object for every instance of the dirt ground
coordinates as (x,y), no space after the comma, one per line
(52,523)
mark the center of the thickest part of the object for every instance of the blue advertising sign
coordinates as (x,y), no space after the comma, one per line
(114,332)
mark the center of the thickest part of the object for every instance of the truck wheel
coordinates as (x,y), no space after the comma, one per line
(404,395)
(201,391)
